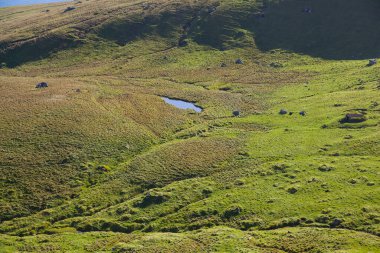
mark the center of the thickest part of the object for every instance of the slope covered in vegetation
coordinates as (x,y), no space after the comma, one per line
(97,161)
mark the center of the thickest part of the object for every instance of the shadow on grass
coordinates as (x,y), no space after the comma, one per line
(333,29)
(18,53)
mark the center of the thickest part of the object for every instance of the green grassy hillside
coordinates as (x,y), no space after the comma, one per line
(98,162)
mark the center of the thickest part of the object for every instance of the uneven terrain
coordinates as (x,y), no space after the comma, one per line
(98,162)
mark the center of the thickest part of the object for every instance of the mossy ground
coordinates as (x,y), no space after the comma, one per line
(98,162)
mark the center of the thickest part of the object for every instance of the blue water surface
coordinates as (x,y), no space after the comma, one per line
(182,104)
(7,3)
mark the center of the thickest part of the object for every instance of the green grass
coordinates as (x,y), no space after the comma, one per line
(218,239)
(100,153)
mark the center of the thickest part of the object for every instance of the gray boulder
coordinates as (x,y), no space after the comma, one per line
(372,62)
(42,85)
(70,8)
(236,113)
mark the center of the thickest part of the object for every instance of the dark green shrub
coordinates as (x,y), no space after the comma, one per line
(207,191)
(247,224)
(324,219)
(142,220)
(232,211)
(103,168)
(170,229)
(336,222)
(203,213)
(153,197)
(288,222)
(208,223)
(104,225)
(239,182)
(292,190)
(125,217)
(325,168)
(280,168)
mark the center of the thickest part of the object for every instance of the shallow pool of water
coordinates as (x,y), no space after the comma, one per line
(7,3)
(182,104)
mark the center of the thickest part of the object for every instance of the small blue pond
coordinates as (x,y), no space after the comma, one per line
(6,3)
(182,104)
